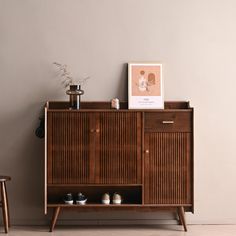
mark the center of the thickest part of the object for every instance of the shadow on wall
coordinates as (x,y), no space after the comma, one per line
(22,157)
(122,88)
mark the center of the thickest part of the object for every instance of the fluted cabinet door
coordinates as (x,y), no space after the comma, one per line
(168,168)
(68,153)
(118,155)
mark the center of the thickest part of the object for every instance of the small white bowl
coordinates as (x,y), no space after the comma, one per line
(69,202)
(116,201)
(105,201)
(82,202)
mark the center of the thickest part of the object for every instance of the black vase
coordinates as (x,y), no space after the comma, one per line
(74,92)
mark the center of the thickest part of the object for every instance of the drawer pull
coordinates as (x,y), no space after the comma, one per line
(167,122)
(147,151)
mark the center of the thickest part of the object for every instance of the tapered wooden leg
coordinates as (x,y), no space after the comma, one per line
(54,218)
(9,222)
(179,217)
(4,206)
(182,217)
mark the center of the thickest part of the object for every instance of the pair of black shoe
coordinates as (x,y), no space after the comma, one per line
(80,199)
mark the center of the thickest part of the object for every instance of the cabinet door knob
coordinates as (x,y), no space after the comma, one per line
(91,130)
(97,130)
(147,151)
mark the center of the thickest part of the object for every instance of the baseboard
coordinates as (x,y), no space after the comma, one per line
(95,222)
(19,222)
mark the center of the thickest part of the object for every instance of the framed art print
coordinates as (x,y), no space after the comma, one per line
(145,86)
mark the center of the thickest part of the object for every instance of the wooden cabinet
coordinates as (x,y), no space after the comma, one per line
(145,155)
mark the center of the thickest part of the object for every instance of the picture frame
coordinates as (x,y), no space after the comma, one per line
(145,86)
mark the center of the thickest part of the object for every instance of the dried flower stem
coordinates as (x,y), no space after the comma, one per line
(66,76)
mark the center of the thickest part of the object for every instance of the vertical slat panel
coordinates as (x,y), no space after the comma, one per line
(118,148)
(169,168)
(68,154)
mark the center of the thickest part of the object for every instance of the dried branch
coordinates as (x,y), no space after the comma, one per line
(67,78)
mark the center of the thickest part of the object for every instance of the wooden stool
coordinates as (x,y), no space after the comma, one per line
(4,202)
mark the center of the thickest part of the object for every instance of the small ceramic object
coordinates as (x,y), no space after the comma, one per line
(106,199)
(116,198)
(115,103)
(68,199)
(81,199)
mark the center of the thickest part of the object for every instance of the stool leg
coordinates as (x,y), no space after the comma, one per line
(4,206)
(8,212)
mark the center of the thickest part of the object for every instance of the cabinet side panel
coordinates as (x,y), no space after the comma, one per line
(48,146)
(45,161)
(169,168)
(119,160)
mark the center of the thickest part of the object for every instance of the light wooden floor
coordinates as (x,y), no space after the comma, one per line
(163,230)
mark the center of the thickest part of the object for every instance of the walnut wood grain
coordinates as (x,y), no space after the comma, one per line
(146,155)
(104,105)
(69,148)
(119,160)
(182,217)
(168,121)
(54,218)
(4,205)
(168,167)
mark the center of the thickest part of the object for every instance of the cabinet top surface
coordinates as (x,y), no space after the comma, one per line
(106,106)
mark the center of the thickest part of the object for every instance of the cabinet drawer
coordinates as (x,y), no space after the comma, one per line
(168,121)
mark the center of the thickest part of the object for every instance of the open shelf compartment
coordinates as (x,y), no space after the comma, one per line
(131,195)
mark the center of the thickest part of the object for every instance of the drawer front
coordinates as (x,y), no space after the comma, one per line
(168,121)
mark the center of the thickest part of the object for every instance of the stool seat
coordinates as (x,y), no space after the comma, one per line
(4,201)
(4,178)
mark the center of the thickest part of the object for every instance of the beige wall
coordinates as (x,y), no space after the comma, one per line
(194,39)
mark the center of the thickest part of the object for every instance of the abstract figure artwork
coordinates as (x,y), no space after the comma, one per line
(145,86)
